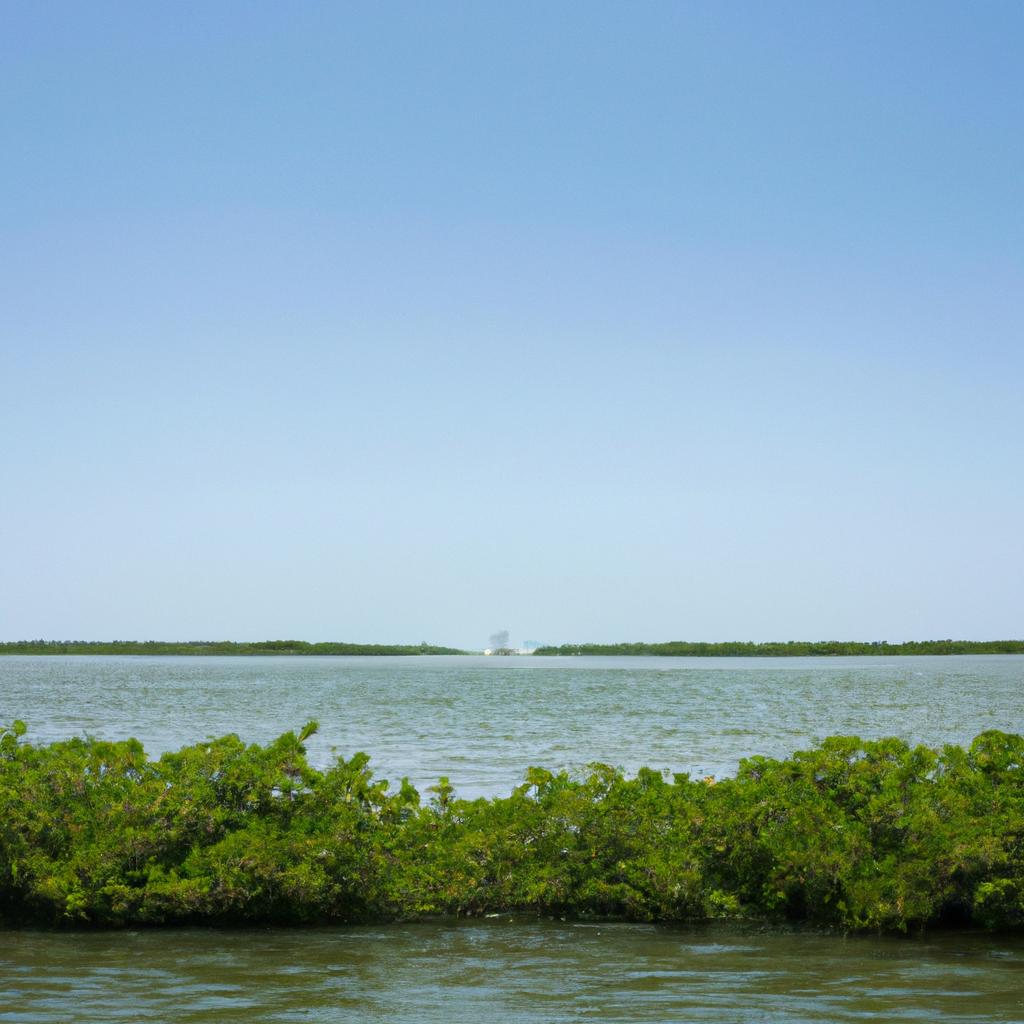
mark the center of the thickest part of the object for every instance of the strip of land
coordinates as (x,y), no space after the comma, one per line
(193,647)
(672,648)
(790,649)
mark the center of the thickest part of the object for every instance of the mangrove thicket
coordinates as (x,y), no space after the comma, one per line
(855,834)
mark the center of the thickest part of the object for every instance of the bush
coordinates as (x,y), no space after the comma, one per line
(853,834)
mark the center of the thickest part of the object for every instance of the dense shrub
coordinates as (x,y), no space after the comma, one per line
(855,834)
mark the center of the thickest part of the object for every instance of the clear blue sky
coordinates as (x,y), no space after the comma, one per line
(393,322)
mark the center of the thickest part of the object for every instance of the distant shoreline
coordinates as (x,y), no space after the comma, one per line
(789,649)
(199,647)
(672,648)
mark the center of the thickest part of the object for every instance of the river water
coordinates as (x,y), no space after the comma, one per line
(483,721)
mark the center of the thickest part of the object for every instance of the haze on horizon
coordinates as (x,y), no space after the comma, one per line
(692,321)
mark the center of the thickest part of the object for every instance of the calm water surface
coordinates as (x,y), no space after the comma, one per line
(483,721)
(506,971)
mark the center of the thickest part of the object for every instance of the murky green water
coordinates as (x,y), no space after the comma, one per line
(483,722)
(506,971)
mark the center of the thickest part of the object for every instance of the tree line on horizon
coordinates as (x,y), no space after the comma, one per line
(215,647)
(789,649)
(672,648)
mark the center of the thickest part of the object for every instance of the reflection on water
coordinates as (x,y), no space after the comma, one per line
(484,721)
(507,971)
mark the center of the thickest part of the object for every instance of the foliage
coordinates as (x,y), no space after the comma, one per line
(791,648)
(209,647)
(853,834)
(677,648)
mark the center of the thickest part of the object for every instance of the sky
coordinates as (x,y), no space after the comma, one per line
(402,322)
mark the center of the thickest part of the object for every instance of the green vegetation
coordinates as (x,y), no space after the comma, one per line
(794,648)
(853,834)
(213,647)
(679,648)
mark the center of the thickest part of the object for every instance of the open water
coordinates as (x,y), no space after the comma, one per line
(483,721)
